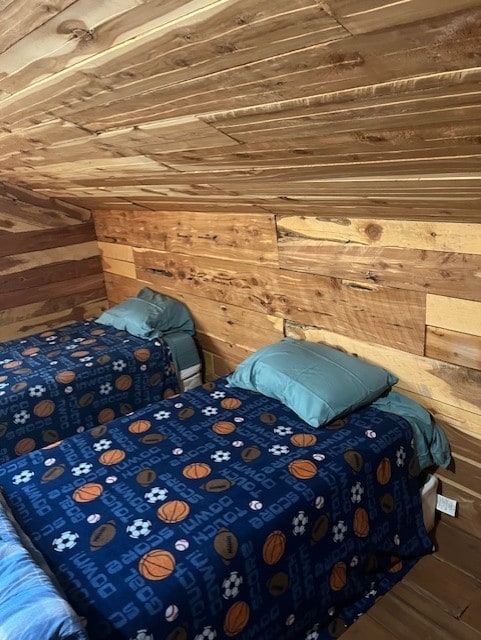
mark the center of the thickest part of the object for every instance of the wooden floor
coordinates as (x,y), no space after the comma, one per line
(439,599)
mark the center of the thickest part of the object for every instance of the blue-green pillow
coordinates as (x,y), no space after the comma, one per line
(149,315)
(317,382)
(172,315)
(134,315)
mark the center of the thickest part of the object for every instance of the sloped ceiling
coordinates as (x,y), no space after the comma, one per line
(313,106)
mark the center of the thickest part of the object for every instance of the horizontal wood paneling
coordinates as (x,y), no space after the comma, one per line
(13,243)
(300,166)
(375,232)
(452,313)
(219,349)
(404,256)
(19,275)
(370,15)
(51,273)
(49,290)
(388,316)
(430,341)
(21,17)
(453,346)
(449,274)
(36,317)
(252,239)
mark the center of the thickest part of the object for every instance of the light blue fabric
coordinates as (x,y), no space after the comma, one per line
(135,316)
(317,382)
(149,315)
(31,607)
(430,442)
(171,315)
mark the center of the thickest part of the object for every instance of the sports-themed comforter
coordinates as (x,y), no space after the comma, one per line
(55,383)
(219,514)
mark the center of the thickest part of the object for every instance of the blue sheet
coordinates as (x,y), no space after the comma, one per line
(30,603)
(61,381)
(220,514)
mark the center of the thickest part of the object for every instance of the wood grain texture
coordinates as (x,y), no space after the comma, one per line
(251,238)
(298,163)
(50,265)
(438,367)
(28,324)
(370,15)
(21,17)
(453,346)
(442,273)
(55,289)
(409,613)
(469,560)
(299,106)
(446,586)
(238,306)
(438,598)
(455,314)
(61,271)
(378,233)
(388,316)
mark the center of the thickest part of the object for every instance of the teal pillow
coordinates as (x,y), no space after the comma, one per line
(134,315)
(317,382)
(172,315)
(149,315)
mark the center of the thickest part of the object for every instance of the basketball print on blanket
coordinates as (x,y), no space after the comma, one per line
(63,381)
(232,519)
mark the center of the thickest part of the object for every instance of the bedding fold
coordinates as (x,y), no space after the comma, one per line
(430,441)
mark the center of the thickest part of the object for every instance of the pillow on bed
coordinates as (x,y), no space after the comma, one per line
(172,315)
(149,315)
(30,604)
(317,382)
(134,315)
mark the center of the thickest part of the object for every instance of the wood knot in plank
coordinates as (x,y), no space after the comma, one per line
(76,30)
(373,231)
(84,35)
(369,275)
(160,272)
(345,60)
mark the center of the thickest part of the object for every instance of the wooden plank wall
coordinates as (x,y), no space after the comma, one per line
(402,293)
(50,267)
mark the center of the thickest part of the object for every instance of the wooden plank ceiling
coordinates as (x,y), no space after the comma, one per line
(319,107)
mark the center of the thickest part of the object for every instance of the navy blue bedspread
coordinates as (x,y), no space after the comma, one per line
(220,514)
(55,383)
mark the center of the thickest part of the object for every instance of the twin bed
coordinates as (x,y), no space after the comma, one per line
(250,507)
(65,380)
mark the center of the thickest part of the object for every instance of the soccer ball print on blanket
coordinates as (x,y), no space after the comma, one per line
(221,514)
